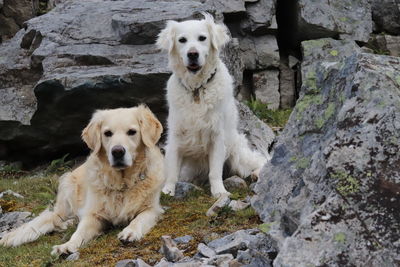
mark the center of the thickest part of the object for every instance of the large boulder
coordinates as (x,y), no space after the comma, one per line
(386,15)
(333,18)
(330,194)
(82,56)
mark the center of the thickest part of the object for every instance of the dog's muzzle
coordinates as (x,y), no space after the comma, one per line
(193,57)
(118,156)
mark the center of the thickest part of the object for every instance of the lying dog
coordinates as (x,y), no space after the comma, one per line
(120,183)
(203,117)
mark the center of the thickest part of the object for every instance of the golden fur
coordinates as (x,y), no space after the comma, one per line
(98,193)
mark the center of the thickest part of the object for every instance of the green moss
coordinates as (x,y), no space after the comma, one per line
(340,238)
(343,19)
(398,79)
(346,184)
(309,45)
(274,118)
(334,53)
(265,227)
(329,111)
(305,102)
(302,163)
(311,82)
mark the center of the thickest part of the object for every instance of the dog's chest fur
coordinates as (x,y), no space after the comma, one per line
(120,198)
(196,122)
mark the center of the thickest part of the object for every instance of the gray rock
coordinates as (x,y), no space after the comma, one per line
(74,257)
(261,15)
(287,87)
(221,202)
(348,18)
(12,220)
(205,251)
(259,135)
(183,239)
(386,14)
(234,182)
(236,205)
(389,44)
(169,249)
(220,260)
(266,87)
(132,263)
(231,56)
(249,244)
(126,263)
(233,7)
(184,189)
(260,52)
(329,196)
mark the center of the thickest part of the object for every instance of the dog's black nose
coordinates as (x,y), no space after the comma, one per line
(118,152)
(193,55)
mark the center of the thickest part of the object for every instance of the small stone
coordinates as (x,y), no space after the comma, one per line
(293,61)
(223,201)
(235,263)
(183,239)
(11,220)
(184,189)
(170,250)
(234,182)
(73,257)
(126,263)
(206,251)
(221,260)
(238,205)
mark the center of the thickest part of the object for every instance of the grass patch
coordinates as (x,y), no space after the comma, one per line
(276,119)
(182,217)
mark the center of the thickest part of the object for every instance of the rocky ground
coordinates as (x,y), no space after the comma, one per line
(330,194)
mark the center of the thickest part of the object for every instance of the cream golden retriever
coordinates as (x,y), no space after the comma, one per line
(119,184)
(203,117)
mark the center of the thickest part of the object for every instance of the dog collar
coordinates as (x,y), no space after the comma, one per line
(196,91)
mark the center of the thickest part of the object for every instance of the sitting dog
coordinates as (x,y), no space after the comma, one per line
(203,117)
(120,183)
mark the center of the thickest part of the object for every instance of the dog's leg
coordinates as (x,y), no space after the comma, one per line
(46,222)
(88,228)
(173,162)
(141,225)
(216,162)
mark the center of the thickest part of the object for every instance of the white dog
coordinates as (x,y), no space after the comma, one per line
(120,183)
(203,117)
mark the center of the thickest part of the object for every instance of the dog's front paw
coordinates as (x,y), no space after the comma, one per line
(66,248)
(129,235)
(217,193)
(169,189)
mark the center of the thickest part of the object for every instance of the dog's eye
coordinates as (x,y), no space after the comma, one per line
(131,132)
(182,40)
(202,38)
(108,133)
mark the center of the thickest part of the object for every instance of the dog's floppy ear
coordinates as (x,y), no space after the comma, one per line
(91,134)
(166,37)
(150,127)
(218,32)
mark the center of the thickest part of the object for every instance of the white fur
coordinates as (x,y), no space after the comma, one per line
(202,133)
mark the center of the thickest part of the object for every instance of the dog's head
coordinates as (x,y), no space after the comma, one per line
(193,41)
(121,133)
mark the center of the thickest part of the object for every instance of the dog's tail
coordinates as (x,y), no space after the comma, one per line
(48,221)
(242,160)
